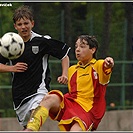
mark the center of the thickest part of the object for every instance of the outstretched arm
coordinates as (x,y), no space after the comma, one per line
(63,79)
(19,67)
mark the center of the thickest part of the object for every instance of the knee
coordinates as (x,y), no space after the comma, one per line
(50,100)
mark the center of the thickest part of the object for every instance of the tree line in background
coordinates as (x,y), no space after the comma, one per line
(110,22)
(100,17)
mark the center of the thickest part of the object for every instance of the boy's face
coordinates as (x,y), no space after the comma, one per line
(24,27)
(83,52)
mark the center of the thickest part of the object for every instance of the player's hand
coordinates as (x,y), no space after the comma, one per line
(109,62)
(63,79)
(19,67)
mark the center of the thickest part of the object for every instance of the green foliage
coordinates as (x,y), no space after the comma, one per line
(118,12)
(6,23)
(5,79)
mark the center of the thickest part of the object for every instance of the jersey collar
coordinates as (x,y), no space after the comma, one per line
(93,60)
(33,34)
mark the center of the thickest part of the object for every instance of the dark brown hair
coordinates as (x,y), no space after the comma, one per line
(21,12)
(92,42)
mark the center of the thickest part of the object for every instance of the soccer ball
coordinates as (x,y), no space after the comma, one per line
(11,45)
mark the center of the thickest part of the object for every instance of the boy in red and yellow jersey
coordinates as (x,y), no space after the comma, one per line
(83,107)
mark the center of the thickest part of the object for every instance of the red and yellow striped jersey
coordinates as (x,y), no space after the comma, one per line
(87,86)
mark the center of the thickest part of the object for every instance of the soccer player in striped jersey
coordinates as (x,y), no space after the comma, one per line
(83,107)
(31,71)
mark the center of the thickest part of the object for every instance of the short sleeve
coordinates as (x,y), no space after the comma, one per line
(57,48)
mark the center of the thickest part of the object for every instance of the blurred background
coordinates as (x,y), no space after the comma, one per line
(110,22)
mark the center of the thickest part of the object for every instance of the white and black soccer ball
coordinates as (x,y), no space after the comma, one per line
(11,45)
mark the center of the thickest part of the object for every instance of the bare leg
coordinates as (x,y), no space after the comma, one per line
(50,102)
(76,127)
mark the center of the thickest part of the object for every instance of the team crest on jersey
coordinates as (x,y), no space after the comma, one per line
(35,49)
(95,75)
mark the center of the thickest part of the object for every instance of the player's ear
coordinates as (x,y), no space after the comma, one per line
(32,23)
(93,50)
(15,26)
